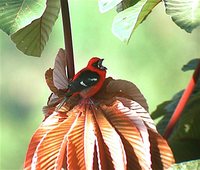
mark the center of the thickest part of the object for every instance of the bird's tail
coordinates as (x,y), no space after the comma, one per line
(67,95)
(61,103)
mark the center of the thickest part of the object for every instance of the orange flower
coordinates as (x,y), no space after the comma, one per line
(112,130)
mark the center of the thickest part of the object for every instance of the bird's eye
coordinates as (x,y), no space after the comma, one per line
(96,64)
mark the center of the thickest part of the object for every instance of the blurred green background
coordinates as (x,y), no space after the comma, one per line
(152,60)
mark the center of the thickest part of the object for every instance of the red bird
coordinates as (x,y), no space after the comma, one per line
(87,81)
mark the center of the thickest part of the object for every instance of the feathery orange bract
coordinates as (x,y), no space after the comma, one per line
(112,130)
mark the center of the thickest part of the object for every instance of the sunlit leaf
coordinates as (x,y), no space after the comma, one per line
(132,130)
(51,150)
(134,112)
(194,164)
(16,14)
(106,5)
(50,123)
(109,135)
(56,78)
(185,13)
(139,110)
(32,38)
(127,21)
(89,139)
(59,72)
(106,136)
(75,145)
(161,154)
(103,156)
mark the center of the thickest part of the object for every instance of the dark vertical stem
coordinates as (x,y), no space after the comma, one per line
(67,38)
(183,101)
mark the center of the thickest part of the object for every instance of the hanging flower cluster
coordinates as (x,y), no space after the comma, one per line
(112,130)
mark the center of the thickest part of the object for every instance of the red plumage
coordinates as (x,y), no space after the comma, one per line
(99,69)
(88,81)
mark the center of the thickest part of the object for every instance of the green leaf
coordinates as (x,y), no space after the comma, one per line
(32,38)
(106,5)
(191,65)
(185,150)
(127,21)
(188,123)
(161,116)
(185,138)
(190,165)
(174,102)
(188,126)
(126,4)
(16,14)
(185,13)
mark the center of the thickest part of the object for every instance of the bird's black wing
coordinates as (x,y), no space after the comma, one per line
(85,80)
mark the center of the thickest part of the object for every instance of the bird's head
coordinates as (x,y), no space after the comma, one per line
(96,63)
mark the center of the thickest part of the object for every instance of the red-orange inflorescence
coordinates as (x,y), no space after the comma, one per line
(111,130)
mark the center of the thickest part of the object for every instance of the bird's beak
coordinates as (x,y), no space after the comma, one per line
(100,65)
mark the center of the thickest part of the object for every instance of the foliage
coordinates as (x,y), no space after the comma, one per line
(105,6)
(22,84)
(194,165)
(128,20)
(186,14)
(111,130)
(30,36)
(30,22)
(185,139)
(19,13)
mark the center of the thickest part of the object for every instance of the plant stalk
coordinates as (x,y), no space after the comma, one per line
(68,38)
(182,103)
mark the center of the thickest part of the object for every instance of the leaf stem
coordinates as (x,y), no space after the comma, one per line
(67,38)
(182,103)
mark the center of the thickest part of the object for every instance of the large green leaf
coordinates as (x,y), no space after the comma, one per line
(164,111)
(190,165)
(106,5)
(185,139)
(32,38)
(161,116)
(127,21)
(188,126)
(185,13)
(16,14)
